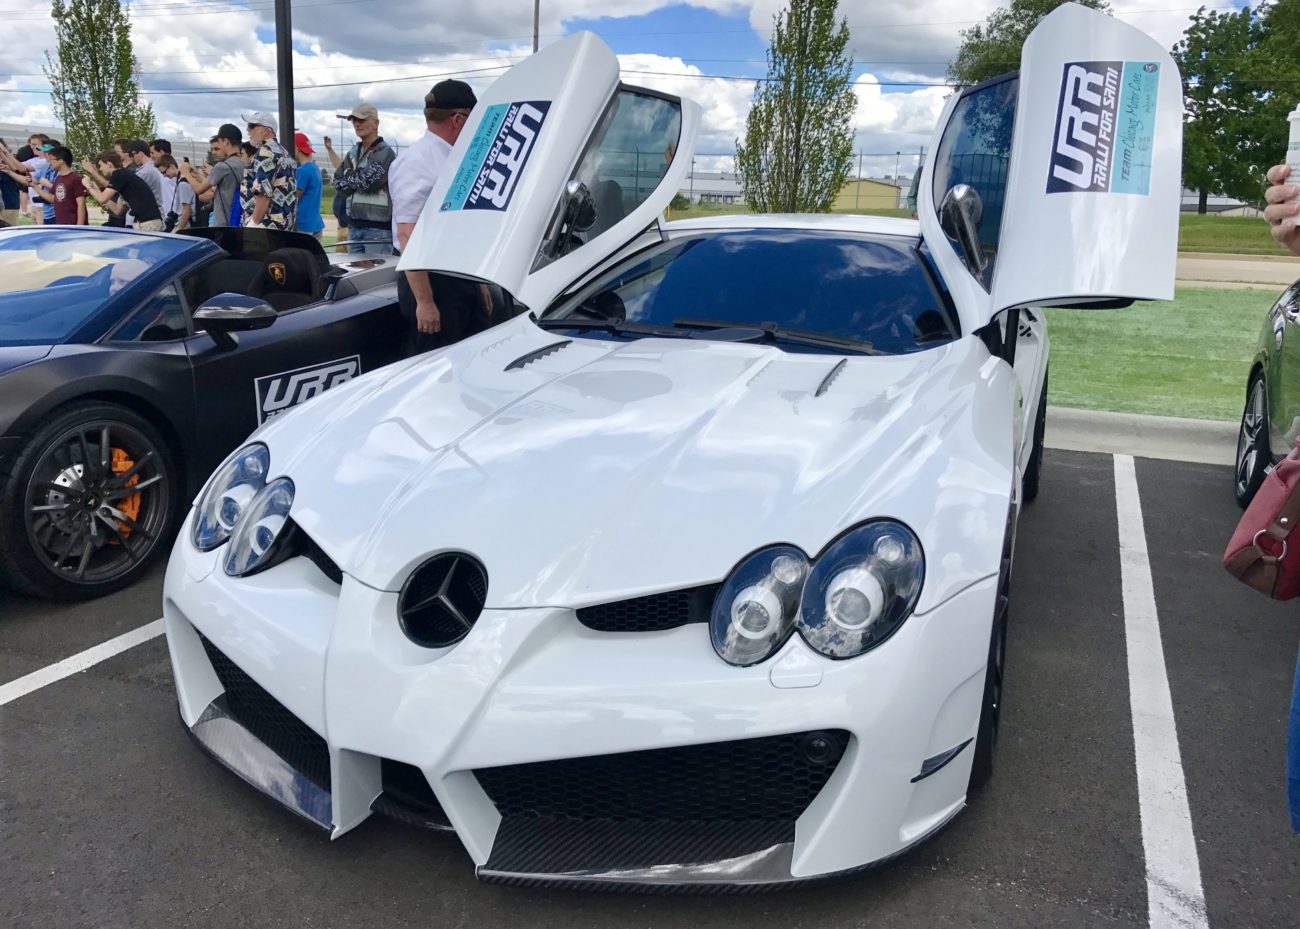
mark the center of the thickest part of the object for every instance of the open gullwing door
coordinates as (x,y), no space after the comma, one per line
(559,166)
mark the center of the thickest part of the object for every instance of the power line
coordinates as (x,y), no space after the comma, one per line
(261,6)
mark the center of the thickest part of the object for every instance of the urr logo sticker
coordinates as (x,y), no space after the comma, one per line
(495,158)
(278,392)
(1085,127)
(1105,128)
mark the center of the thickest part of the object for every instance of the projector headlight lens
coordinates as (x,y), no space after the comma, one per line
(862,589)
(252,547)
(228,495)
(755,610)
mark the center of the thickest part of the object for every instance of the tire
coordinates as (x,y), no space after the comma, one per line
(1253,454)
(87,504)
(1029,484)
(986,734)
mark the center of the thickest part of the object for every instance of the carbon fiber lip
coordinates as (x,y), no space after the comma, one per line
(760,872)
(257,765)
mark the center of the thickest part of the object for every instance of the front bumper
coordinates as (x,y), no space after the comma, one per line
(611,735)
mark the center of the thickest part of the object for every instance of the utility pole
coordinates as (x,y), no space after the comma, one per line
(857,188)
(897,155)
(284,71)
(537,15)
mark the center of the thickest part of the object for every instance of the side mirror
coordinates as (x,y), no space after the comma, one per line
(228,313)
(959,216)
(579,206)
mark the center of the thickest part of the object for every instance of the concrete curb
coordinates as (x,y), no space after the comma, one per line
(1197,440)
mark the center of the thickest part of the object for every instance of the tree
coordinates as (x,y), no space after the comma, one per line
(798,144)
(1220,103)
(96,95)
(993,47)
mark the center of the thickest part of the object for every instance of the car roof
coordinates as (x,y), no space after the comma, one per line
(812,222)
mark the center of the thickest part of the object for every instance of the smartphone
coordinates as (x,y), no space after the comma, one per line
(186,160)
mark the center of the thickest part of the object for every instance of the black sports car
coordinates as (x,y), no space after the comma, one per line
(131,363)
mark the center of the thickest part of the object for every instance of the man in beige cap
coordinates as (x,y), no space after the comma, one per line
(362,175)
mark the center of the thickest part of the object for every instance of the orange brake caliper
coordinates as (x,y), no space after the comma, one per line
(131,505)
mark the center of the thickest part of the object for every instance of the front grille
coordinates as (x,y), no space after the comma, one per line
(653,613)
(442,599)
(770,779)
(407,797)
(269,721)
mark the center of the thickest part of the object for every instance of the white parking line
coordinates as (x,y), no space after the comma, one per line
(78,662)
(1175,899)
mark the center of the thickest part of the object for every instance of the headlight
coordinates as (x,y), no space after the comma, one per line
(861,589)
(253,545)
(756,608)
(228,495)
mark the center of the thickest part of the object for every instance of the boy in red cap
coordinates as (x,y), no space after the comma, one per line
(309,188)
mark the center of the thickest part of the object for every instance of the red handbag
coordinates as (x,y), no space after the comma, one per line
(1259,553)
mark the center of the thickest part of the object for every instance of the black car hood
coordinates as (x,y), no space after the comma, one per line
(15,356)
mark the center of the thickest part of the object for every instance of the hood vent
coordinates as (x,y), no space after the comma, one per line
(537,353)
(442,599)
(829,379)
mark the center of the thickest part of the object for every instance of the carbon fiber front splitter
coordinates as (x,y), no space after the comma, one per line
(754,872)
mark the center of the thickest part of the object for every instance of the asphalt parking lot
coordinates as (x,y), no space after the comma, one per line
(110,817)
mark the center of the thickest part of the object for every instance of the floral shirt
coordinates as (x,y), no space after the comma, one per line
(272,174)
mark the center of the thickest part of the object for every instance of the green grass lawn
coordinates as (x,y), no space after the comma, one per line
(1187,358)
(1243,235)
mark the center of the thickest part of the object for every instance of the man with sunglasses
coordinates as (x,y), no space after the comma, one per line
(440,309)
(270,197)
(363,177)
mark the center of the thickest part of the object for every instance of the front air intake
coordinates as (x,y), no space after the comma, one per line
(442,599)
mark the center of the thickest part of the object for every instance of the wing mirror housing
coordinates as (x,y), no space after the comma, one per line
(226,314)
(579,207)
(959,216)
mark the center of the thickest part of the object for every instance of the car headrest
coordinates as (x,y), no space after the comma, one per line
(291,270)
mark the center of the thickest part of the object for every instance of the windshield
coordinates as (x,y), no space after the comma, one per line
(869,288)
(52,282)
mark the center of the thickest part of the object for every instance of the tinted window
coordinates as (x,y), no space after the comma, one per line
(858,287)
(976,150)
(162,317)
(623,163)
(52,282)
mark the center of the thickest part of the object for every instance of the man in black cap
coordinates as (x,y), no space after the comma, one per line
(461,308)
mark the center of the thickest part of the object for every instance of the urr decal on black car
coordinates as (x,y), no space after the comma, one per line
(278,392)
(1105,127)
(490,171)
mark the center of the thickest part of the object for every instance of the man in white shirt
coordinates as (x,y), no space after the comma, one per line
(159,149)
(462,308)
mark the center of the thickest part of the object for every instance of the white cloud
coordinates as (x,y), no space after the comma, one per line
(349,41)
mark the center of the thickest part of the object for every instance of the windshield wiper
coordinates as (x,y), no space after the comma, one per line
(782,333)
(613,326)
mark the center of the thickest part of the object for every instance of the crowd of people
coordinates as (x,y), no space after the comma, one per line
(252,180)
(141,184)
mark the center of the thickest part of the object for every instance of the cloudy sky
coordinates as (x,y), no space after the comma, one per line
(202,62)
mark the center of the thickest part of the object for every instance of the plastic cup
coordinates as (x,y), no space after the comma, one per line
(1293,149)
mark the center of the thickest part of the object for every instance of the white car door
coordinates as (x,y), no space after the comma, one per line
(1076,163)
(558,167)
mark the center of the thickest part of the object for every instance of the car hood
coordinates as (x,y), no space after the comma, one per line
(15,356)
(600,469)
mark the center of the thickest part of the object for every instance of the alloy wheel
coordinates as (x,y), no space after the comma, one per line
(97,502)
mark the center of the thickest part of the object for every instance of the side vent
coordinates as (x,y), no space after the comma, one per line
(537,353)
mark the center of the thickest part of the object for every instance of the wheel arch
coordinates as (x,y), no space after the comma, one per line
(131,400)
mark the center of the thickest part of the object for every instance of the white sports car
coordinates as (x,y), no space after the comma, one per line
(694,572)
